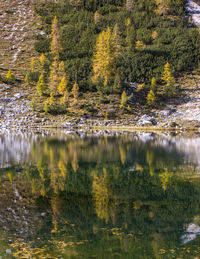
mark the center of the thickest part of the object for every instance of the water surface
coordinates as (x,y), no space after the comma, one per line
(111,195)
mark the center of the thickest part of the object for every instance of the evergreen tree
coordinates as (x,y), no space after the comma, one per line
(54,80)
(97,17)
(168,80)
(9,76)
(123,100)
(33,104)
(75,90)
(33,65)
(27,78)
(55,46)
(116,40)
(163,6)
(153,84)
(41,85)
(139,45)
(42,61)
(151,99)
(62,86)
(130,37)
(104,57)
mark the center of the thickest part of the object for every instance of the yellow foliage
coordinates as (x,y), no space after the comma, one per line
(154,35)
(10,75)
(42,61)
(97,17)
(128,22)
(75,91)
(55,46)
(62,86)
(123,100)
(107,47)
(151,99)
(139,45)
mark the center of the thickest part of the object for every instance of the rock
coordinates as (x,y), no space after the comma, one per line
(146,120)
(173,124)
(13,47)
(8,251)
(169,112)
(18,95)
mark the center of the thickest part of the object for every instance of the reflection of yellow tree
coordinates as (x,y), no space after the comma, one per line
(43,191)
(150,159)
(74,163)
(101,195)
(56,206)
(58,177)
(122,152)
(164,178)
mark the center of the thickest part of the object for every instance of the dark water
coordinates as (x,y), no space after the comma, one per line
(133,195)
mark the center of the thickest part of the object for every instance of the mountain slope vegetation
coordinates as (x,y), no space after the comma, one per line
(160,27)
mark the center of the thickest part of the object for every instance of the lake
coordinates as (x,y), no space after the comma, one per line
(99,195)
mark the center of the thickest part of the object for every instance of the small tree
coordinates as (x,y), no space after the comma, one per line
(123,100)
(139,45)
(65,98)
(9,76)
(75,91)
(153,84)
(62,86)
(42,61)
(33,104)
(27,78)
(97,17)
(33,64)
(169,80)
(41,85)
(151,99)
(46,107)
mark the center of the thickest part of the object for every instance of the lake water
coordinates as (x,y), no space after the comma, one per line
(99,195)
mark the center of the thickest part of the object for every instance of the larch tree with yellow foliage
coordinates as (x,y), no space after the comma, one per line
(104,62)
(55,46)
(169,80)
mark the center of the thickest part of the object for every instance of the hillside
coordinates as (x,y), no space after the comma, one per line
(163,35)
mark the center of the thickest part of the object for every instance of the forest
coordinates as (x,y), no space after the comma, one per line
(108,46)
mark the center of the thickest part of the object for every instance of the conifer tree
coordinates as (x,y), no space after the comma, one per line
(65,98)
(97,17)
(129,5)
(33,104)
(153,84)
(9,76)
(168,80)
(41,85)
(139,45)
(75,91)
(61,70)
(62,86)
(151,99)
(163,6)
(154,35)
(42,61)
(130,37)
(33,64)
(55,46)
(54,80)
(123,100)
(104,57)
(27,78)
(116,40)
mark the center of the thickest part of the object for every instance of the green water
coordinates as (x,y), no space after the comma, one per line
(99,196)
